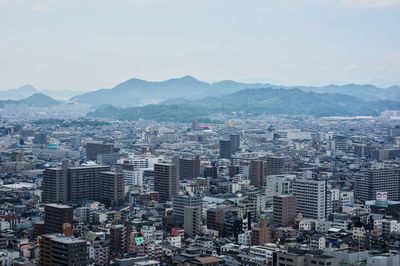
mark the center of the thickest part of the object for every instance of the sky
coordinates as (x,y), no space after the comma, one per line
(91,44)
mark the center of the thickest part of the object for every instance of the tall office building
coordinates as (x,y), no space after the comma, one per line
(189,168)
(179,203)
(95,148)
(57,249)
(284,210)
(310,197)
(110,188)
(376,180)
(256,172)
(225,149)
(192,220)
(166,181)
(57,217)
(235,142)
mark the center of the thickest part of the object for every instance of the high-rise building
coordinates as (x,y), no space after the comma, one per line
(83,181)
(273,165)
(95,148)
(57,217)
(256,172)
(310,197)
(192,220)
(225,149)
(376,180)
(118,240)
(110,188)
(70,183)
(57,249)
(235,142)
(166,181)
(55,185)
(179,203)
(189,168)
(284,210)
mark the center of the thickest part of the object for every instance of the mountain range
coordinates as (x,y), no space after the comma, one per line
(186,97)
(137,92)
(29,90)
(255,101)
(35,100)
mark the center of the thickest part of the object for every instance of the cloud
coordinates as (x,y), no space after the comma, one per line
(370,3)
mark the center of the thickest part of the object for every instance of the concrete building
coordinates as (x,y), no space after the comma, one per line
(110,188)
(284,210)
(273,165)
(57,217)
(235,142)
(311,197)
(192,220)
(225,149)
(376,180)
(256,172)
(70,183)
(182,201)
(166,181)
(61,250)
(95,148)
(189,168)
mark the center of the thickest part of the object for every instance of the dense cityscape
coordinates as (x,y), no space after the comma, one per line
(265,190)
(199,133)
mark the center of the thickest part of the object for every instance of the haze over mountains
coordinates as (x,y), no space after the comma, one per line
(136,92)
(29,90)
(185,98)
(35,100)
(255,101)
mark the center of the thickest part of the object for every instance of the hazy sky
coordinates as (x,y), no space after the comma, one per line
(88,44)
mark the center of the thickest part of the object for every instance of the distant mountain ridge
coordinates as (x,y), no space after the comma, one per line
(35,100)
(182,99)
(141,92)
(28,90)
(137,92)
(19,93)
(255,101)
